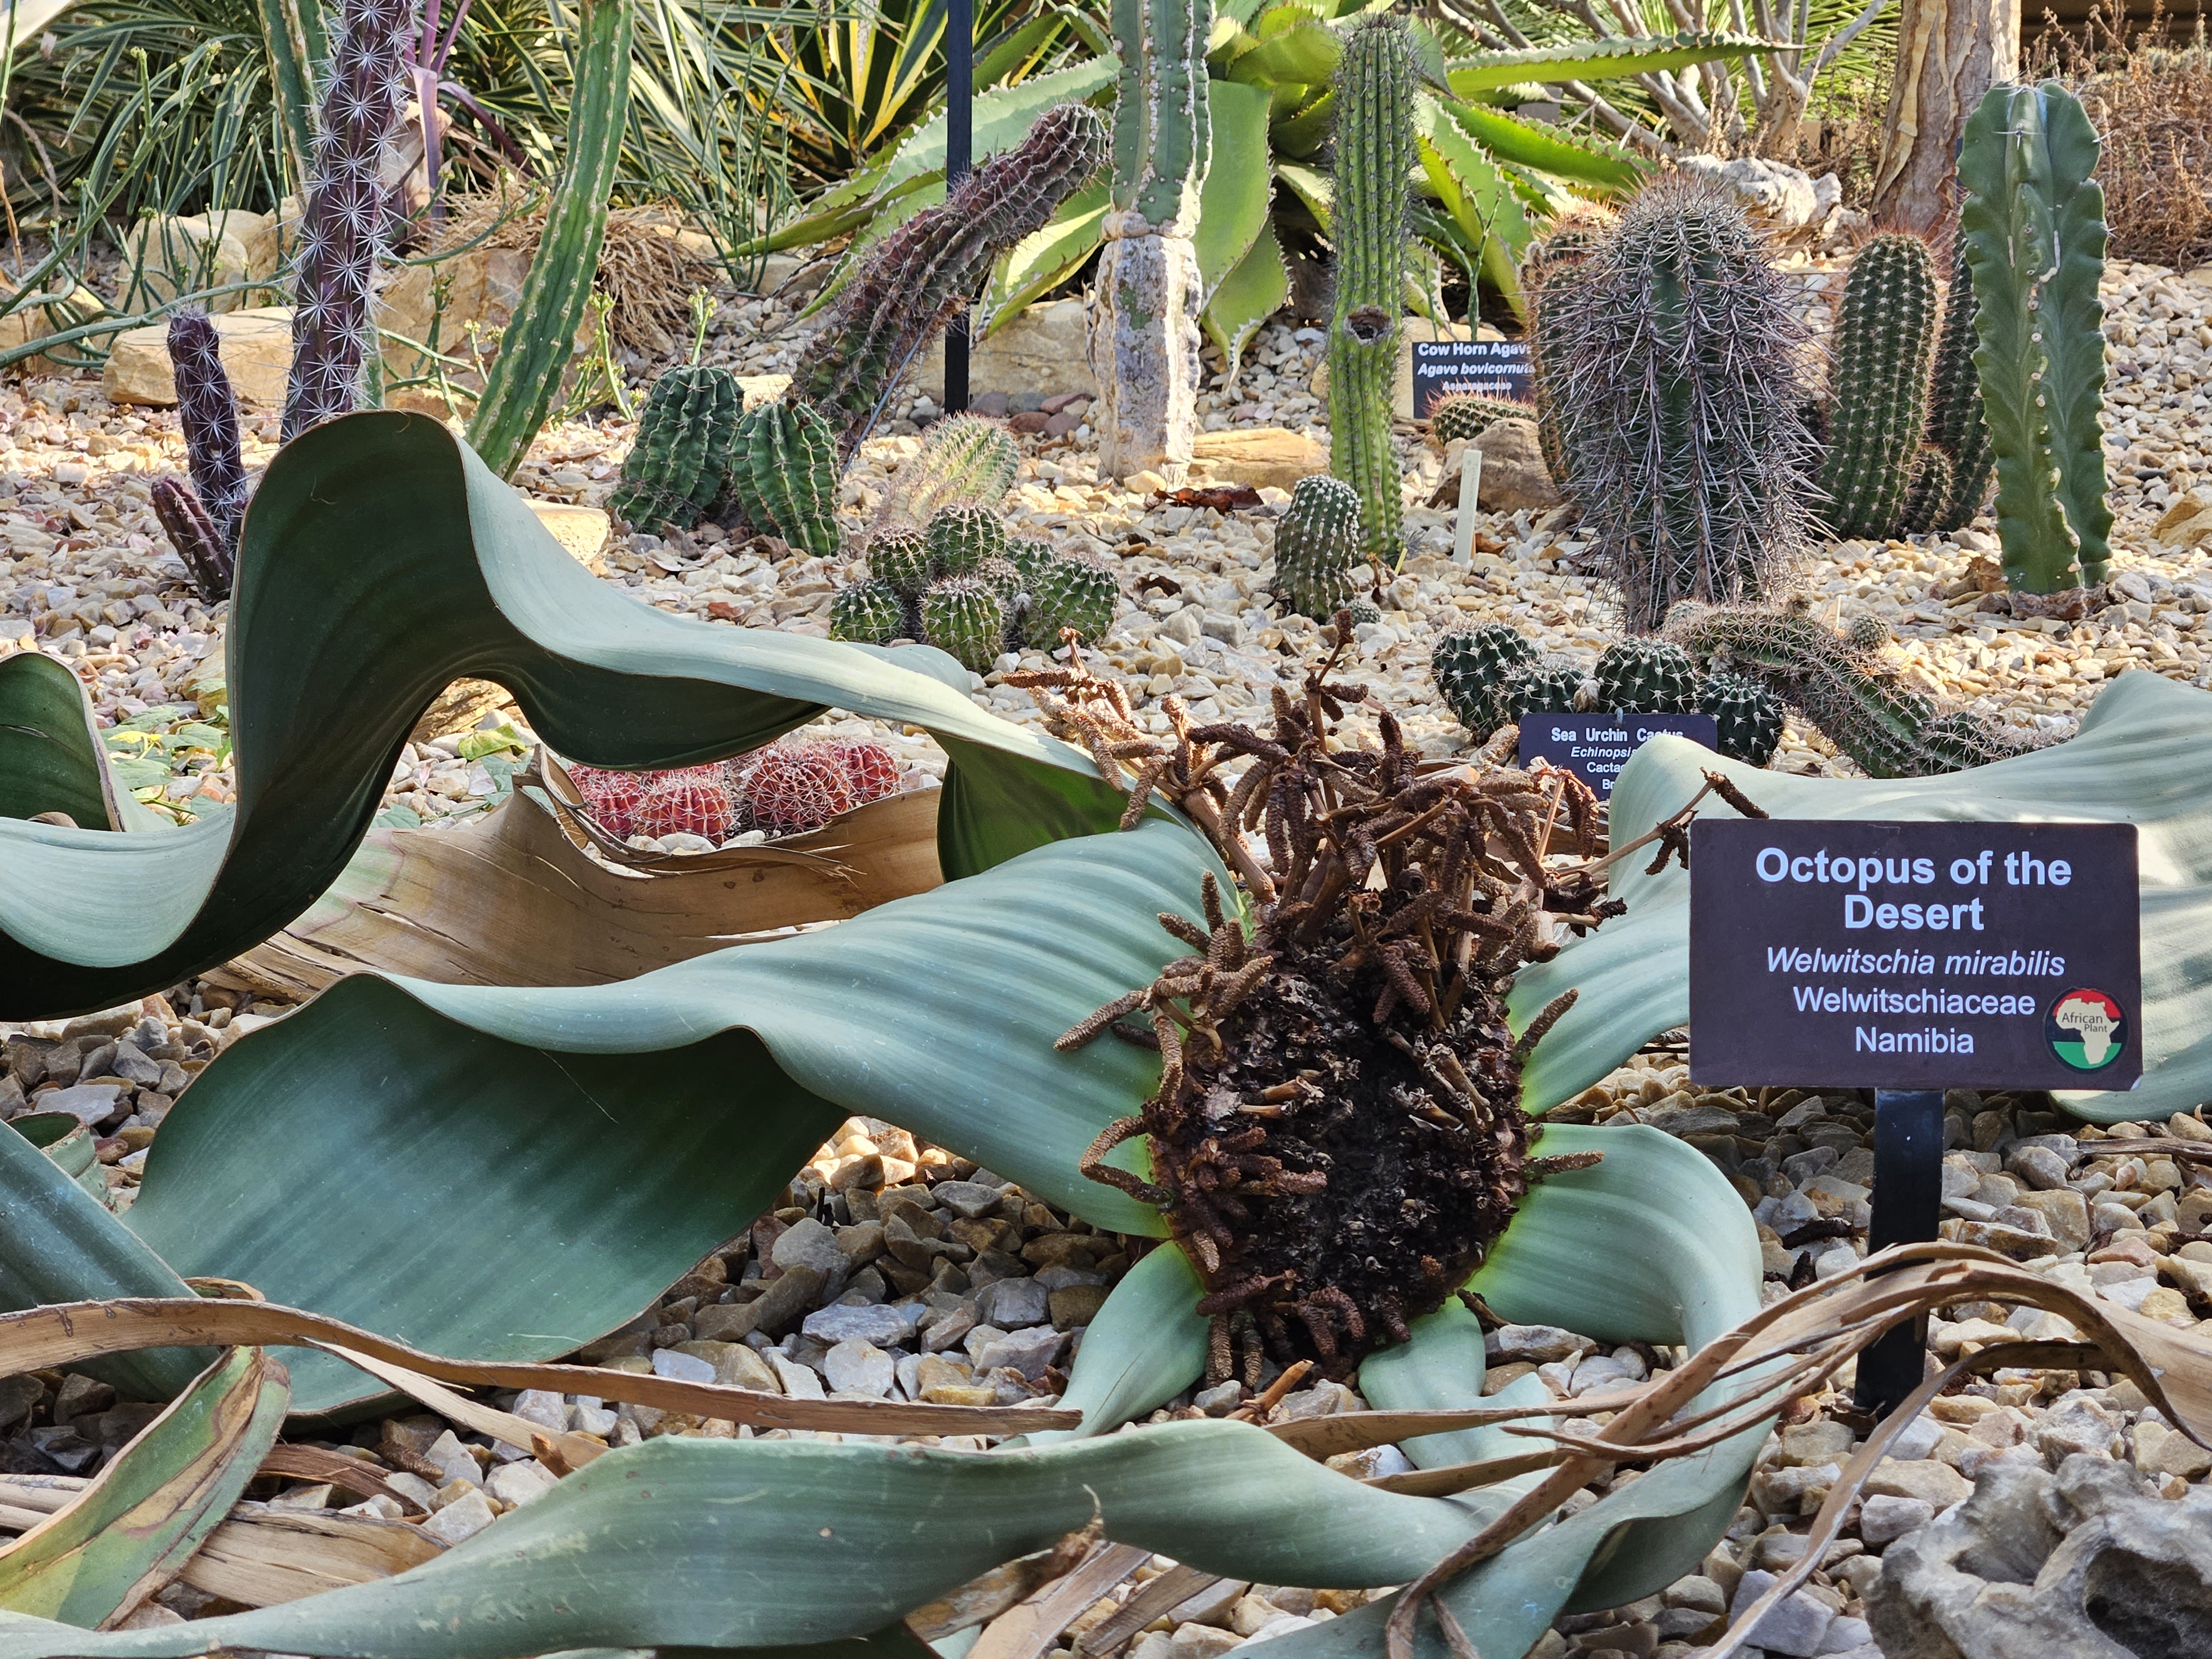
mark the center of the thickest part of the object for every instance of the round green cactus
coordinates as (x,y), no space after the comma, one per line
(1316,544)
(964,618)
(1646,677)
(1471,667)
(1459,414)
(1748,716)
(681,461)
(961,537)
(1548,686)
(900,558)
(1075,593)
(867,613)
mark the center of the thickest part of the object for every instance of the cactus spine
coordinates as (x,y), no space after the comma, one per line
(1550,685)
(1143,343)
(680,463)
(1747,718)
(784,475)
(1878,386)
(341,230)
(1317,542)
(1374,165)
(1686,440)
(960,538)
(537,346)
(927,270)
(1545,273)
(1956,425)
(2034,224)
(900,557)
(965,461)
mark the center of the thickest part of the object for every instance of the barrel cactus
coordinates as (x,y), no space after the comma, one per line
(1071,593)
(964,618)
(1318,540)
(1550,685)
(867,612)
(960,538)
(1472,668)
(680,461)
(784,475)
(1646,677)
(1747,716)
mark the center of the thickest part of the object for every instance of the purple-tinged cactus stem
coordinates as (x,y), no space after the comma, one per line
(209,413)
(194,533)
(343,230)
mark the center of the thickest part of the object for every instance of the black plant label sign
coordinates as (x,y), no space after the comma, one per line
(1903,955)
(1491,369)
(1595,747)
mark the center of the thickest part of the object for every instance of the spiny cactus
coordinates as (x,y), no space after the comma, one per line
(965,461)
(962,617)
(1930,493)
(783,476)
(1646,677)
(930,268)
(1956,425)
(1547,270)
(1462,415)
(1747,716)
(343,225)
(193,534)
(1471,667)
(868,613)
(1550,685)
(680,462)
(1878,386)
(1030,554)
(900,558)
(1375,157)
(1317,542)
(961,537)
(1075,593)
(1838,684)
(202,518)
(1678,365)
(2034,224)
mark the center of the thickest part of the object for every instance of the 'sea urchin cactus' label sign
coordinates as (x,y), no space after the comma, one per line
(1595,747)
(1904,956)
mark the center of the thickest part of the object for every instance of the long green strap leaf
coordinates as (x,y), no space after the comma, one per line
(50,756)
(2139,759)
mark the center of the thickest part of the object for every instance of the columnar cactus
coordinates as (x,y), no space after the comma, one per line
(1680,364)
(1472,668)
(1547,270)
(1878,386)
(1956,425)
(680,462)
(1142,341)
(1317,542)
(783,476)
(929,269)
(203,519)
(964,618)
(1930,493)
(342,227)
(2034,224)
(1375,156)
(1646,677)
(965,461)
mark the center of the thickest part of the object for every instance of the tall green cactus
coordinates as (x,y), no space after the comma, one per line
(2033,223)
(1375,155)
(1884,341)
(538,344)
(1317,542)
(1144,341)
(783,476)
(1956,425)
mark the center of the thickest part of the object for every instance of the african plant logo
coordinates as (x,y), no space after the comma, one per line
(2086,1029)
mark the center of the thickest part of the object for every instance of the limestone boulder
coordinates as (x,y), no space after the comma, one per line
(1041,351)
(1514,478)
(176,255)
(1775,194)
(257,353)
(1257,456)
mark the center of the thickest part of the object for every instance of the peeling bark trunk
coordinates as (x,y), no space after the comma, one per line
(1144,347)
(1949,52)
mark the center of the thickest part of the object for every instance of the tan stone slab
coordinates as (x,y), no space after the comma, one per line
(1257,456)
(257,353)
(582,530)
(1041,351)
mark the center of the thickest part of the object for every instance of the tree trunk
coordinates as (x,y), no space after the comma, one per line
(1143,349)
(1949,52)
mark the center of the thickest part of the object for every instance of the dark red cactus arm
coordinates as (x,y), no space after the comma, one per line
(205,552)
(209,413)
(343,230)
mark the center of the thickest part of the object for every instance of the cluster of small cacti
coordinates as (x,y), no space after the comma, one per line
(1907,450)
(1838,684)
(961,584)
(929,269)
(1318,542)
(965,460)
(787,788)
(1673,375)
(1492,675)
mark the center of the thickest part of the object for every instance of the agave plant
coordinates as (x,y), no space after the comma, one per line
(1487,180)
(606,1137)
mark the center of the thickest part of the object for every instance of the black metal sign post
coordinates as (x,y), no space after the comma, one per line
(1909,958)
(959,157)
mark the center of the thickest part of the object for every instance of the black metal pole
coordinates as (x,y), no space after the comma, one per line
(959,155)
(1908,1198)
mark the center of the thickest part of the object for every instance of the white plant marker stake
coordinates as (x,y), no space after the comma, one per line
(1470,484)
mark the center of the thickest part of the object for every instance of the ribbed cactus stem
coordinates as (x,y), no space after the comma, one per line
(341,229)
(1375,92)
(965,460)
(1317,542)
(1679,364)
(208,559)
(1878,386)
(1955,402)
(1143,338)
(209,412)
(1930,493)
(681,459)
(930,267)
(784,477)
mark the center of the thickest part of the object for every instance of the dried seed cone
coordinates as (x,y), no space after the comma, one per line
(1646,677)
(1471,667)
(680,463)
(1884,341)
(964,618)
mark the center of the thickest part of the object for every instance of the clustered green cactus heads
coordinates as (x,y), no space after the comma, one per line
(869,613)
(1317,542)
(1955,426)
(1747,718)
(680,463)
(1550,685)
(1674,369)
(964,618)
(1840,685)
(1071,593)
(965,460)
(1878,386)
(783,476)
(926,271)
(960,538)
(1463,415)
(1375,159)
(1646,677)
(1472,668)
(900,557)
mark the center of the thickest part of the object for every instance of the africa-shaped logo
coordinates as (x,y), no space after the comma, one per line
(2086,1029)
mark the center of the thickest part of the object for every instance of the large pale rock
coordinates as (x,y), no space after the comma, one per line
(1041,351)
(1514,478)
(435,306)
(2185,522)
(2084,1564)
(22,327)
(1401,382)
(204,250)
(257,353)
(1773,193)
(1257,456)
